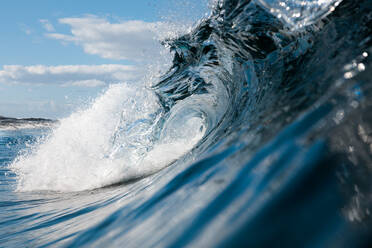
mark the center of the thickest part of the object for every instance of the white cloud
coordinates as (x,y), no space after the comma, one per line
(69,75)
(129,40)
(26,29)
(86,83)
(47,25)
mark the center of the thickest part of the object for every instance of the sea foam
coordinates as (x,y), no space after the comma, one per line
(110,142)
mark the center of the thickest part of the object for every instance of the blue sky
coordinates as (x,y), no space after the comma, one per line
(56,55)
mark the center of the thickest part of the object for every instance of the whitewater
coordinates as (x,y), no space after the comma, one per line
(255,133)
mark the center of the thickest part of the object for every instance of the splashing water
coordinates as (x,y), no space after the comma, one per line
(110,142)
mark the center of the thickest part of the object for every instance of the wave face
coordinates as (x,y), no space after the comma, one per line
(259,135)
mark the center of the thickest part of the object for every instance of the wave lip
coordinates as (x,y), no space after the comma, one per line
(298,14)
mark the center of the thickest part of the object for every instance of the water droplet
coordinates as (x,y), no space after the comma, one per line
(361,67)
(348,75)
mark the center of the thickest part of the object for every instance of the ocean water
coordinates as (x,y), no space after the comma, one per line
(258,135)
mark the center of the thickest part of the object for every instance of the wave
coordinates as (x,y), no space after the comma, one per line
(112,141)
(262,117)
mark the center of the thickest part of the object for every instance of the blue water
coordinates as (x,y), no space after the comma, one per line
(284,108)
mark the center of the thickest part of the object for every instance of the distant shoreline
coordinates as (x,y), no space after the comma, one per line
(24,123)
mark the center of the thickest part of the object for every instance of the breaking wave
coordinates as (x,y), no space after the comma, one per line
(258,134)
